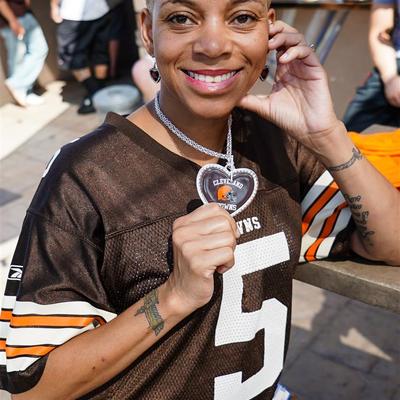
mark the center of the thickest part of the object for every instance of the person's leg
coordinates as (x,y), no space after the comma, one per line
(90,83)
(27,71)
(370,106)
(100,55)
(74,42)
(11,43)
(115,34)
(113,51)
(101,71)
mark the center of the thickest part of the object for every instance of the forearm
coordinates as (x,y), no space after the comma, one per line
(373,201)
(383,56)
(93,358)
(6,12)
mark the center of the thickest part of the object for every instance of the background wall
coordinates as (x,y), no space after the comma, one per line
(349,62)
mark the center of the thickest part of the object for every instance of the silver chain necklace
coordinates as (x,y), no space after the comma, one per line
(177,132)
(232,189)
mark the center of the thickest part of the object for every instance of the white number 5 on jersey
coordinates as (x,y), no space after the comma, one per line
(236,326)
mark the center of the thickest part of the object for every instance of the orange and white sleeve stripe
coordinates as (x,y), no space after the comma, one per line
(324,215)
(29,330)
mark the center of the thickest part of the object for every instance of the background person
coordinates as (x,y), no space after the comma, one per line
(83,43)
(18,26)
(115,34)
(378,100)
(188,302)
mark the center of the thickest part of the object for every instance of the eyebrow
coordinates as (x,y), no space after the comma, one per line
(185,2)
(191,3)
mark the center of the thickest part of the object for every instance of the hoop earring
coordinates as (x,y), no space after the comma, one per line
(155,73)
(264,73)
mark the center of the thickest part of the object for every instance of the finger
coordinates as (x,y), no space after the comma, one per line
(217,241)
(280,26)
(284,40)
(219,258)
(203,213)
(259,104)
(298,53)
(217,224)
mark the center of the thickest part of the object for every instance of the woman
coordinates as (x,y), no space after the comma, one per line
(197,304)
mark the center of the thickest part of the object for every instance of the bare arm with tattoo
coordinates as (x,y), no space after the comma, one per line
(373,201)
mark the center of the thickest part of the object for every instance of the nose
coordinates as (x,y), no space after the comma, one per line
(213,39)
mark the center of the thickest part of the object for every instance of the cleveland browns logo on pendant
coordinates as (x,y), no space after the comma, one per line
(233,191)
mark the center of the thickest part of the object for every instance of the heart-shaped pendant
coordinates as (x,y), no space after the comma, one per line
(232,190)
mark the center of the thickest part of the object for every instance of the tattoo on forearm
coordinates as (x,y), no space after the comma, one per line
(149,309)
(357,155)
(360,218)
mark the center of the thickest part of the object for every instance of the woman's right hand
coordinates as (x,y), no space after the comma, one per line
(203,243)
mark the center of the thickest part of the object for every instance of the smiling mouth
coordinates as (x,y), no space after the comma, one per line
(211,76)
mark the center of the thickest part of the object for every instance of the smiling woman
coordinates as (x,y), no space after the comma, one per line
(129,287)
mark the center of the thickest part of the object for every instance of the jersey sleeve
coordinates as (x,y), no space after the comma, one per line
(54,289)
(326,218)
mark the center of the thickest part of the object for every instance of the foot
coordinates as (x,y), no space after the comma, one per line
(86,106)
(33,99)
(19,95)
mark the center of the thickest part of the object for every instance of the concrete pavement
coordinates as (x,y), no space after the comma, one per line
(340,348)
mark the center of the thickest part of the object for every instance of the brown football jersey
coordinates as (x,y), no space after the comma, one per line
(97,238)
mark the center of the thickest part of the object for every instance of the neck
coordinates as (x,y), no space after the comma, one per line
(208,132)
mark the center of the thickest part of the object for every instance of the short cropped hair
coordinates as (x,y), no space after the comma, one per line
(150,4)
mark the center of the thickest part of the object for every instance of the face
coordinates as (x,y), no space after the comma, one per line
(209,52)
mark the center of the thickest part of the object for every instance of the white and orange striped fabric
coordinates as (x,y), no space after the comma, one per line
(324,215)
(33,330)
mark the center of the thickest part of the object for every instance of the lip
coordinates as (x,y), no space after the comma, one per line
(211,72)
(212,87)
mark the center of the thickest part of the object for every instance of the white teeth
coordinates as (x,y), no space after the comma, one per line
(211,79)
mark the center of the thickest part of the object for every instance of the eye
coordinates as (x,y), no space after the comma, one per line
(244,19)
(180,19)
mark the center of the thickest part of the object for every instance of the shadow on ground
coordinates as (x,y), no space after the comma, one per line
(347,351)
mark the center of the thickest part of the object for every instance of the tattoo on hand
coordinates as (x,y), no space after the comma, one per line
(149,309)
(357,155)
(360,217)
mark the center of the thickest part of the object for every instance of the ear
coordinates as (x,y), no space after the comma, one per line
(146,28)
(271,16)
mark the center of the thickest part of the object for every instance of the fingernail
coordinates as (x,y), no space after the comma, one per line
(237,233)
(272,39)
(285,56)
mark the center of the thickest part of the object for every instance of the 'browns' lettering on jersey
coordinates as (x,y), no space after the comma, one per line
(95,240)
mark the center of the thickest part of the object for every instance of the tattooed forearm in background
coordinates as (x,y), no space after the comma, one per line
(360,217)
(149,309)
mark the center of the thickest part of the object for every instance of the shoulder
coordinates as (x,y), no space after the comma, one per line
(77,177)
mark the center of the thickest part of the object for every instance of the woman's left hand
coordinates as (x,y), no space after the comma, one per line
(300,102)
